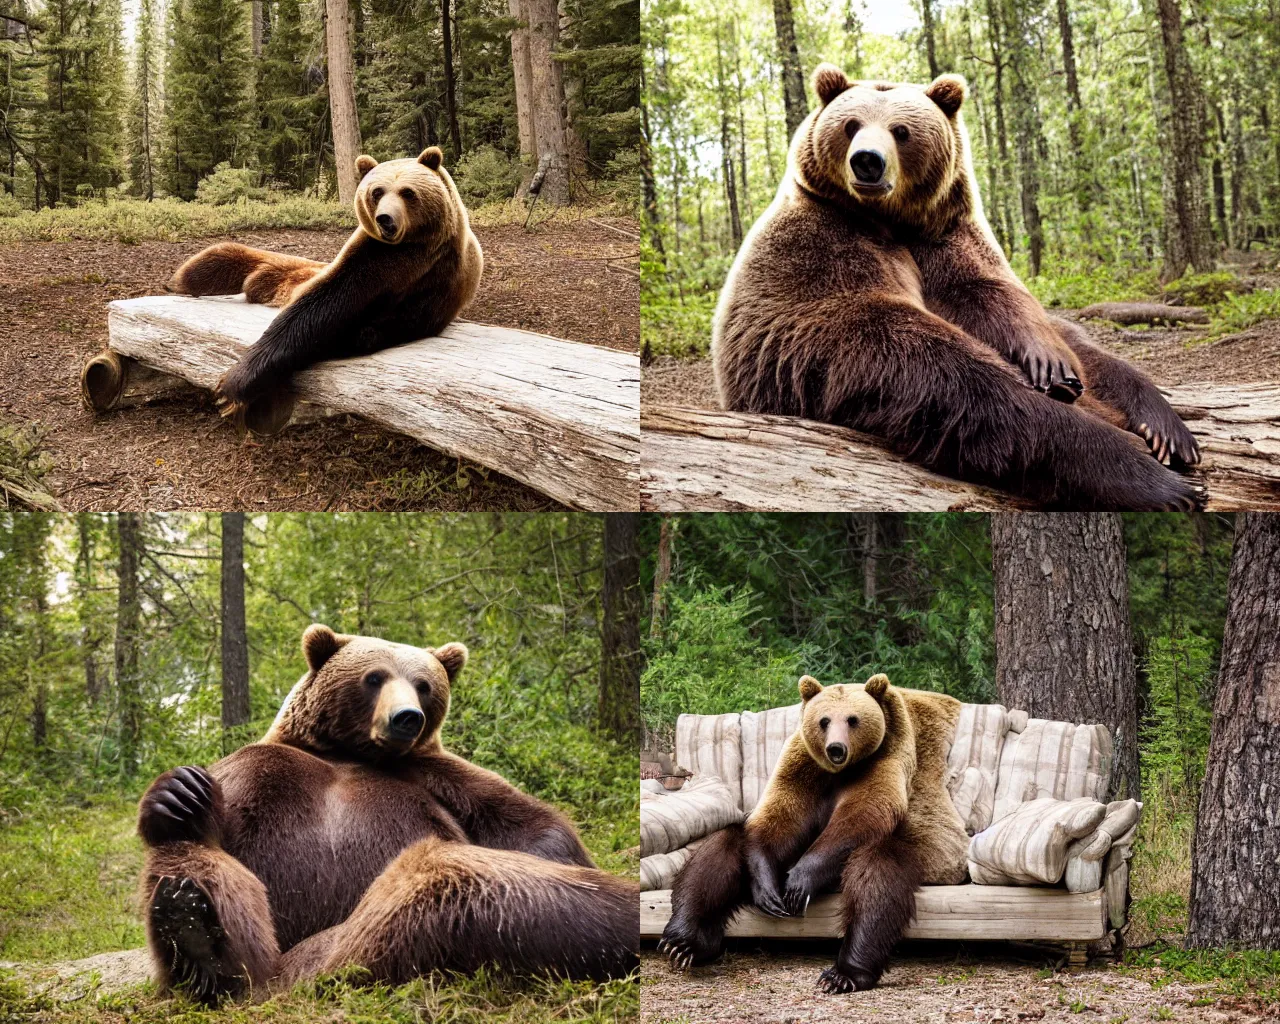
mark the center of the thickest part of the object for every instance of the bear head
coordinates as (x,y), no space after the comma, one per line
(366,698)
(844,723)
(399,200)
(895,150)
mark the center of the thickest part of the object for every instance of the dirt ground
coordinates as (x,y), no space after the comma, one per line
(927,983)
(178,454)
(1167,355)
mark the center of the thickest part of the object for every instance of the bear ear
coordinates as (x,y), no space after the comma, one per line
(877,685)
(809,688)
(364,164)
(948,91)
(320,643)
(829,82)
(452,657)
(431,157)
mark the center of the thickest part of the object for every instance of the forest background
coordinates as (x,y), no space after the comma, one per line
(742,605)
(1120,147)
(132,643)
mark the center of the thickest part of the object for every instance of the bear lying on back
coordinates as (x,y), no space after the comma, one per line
(349,835)
(405,273)
(871,294)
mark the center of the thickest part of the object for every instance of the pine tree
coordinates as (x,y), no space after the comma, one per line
(207,90)
(144,105)
(291,101)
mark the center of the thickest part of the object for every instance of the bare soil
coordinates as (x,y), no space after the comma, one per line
(928,983)
(1169,355)
(178,454)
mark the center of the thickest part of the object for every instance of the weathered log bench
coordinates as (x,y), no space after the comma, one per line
(699,459)
(559,416)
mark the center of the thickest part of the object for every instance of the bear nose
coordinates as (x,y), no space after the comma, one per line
(386,222)
(868,166)
(407,723)
(837,752)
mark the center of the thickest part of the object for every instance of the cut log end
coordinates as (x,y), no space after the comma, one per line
(102,381)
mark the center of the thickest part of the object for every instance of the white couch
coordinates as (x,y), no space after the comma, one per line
(1048,860)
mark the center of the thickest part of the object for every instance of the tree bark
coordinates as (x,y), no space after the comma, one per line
(647,179)
(345,121)
(128,625)
(929,44)
(1027,121)
(661,577)
(619,705)
(1235,873)
(235,641)
(1064,649)
(547,89)
(450,82)
(84,584)
(726,149)
(793,97)
(1075,111)
(524,81)
(256,27)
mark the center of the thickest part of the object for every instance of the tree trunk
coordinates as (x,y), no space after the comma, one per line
(793,97)
(547,90)
(235,641)
(661,577)
(726,150)
(84,584)
(995,33)
(870,558)
(619,709)
(450,82)
(646,174)
(345,121)
(128,626)
(1235,873)
(1027,122)
(256,27)
(1186,228)
(524,81)
(929,44)
(742,125)
(1064,649)
(1075,111)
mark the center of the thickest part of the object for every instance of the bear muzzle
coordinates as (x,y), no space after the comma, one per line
(398,718)
(837,753)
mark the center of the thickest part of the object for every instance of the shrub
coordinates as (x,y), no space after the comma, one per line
(9,206)
(486,175)
(1204,289)
(229,184)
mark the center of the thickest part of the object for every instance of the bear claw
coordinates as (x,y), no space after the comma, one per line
(833,982)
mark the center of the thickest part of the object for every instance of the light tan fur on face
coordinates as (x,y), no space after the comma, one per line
(418,195)
(836,705)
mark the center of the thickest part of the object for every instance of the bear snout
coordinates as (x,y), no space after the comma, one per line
(868,166)
(387,224)
(406,723)
(837,752)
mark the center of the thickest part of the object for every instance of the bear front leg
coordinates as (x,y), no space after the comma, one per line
(1125,388)
(878,889)
(708,891)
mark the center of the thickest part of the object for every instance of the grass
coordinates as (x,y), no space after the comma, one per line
(23,465)
(68,876)
(1252,972)
(669,327)
(130,221)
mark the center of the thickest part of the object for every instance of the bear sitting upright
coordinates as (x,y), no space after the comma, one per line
(858,799)
(872,294)
(407,270)
(348,835)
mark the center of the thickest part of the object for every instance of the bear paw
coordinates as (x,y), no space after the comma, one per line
(834,981)
(1166,435)
(685,948)
(1052,373)
(186,929)
(767,898)
(179,806)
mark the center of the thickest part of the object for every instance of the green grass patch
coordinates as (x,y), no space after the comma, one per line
(1074,288)
(1236,312)
(672,327)
(483,998)
(1231,972)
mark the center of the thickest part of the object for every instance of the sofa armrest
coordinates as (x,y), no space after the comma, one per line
(1115,878)
(1086,856)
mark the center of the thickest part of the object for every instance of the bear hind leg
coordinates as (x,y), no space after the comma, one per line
(229,268)
(879,890)
(708,891)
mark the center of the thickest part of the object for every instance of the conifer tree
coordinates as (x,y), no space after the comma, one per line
(144,105)
(290,98)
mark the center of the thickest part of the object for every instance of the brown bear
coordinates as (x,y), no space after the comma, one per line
(349,836)
(858,799)
(407,270)
(872,294)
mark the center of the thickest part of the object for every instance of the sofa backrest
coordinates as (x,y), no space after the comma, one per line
(998,760)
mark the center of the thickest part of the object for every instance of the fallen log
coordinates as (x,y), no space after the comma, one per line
(708,460)
(1144,313)
(559,416)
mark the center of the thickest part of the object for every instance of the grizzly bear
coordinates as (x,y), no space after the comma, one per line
(349,836)
(858,800)
(407,270)
(872,294)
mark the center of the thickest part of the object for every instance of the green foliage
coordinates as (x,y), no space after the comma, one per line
(1203,289)
(1082,286)
(674,326)
(291,98)
(1178,709)
(487,175)
(9,206)
(1231,972)
(1236,312)
(229,184)
(23,466)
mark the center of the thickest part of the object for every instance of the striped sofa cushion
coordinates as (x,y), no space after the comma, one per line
(764,734)
(712,745)
(973,763)
(659,870)
(674,818)
(1086,857)
(1029,845)
(1057,759)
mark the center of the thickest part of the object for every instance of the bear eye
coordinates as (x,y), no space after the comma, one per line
(407,195)
(853,721)
(851,128)
(825,722)
(423,686)
(375,678)
(377,194)
(900,133)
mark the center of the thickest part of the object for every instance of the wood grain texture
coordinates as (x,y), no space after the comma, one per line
(700,459)
(559,416)
(1023,913)
(1144,313)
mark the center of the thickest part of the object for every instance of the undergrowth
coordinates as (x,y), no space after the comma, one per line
(23,465)
(1253,972)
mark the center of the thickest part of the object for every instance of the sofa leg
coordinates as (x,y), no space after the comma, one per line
(1077,956)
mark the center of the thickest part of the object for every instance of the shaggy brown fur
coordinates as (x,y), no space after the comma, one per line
(857,798)
(348,835)
(887,306)
(405,273)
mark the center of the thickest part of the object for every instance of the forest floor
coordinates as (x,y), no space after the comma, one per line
(178,454)
(1168,355)
(939,983)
